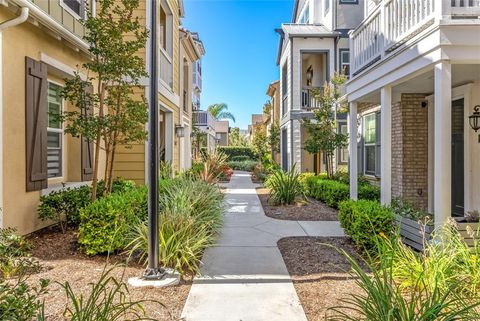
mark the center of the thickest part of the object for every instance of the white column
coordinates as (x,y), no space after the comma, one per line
(352,150)
(386,145)
(442,143)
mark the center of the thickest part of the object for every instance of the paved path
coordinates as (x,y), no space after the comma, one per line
(243,277)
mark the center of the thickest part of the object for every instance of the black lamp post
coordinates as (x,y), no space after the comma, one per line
(153,271)
(475,118)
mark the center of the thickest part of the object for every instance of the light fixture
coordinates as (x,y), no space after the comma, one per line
(309,75)
(475,118)
(180,131)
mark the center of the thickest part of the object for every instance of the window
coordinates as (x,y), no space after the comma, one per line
(54,131)
(163,28)
(345,61)
(75,7)
(370,140)
(326,7)
(284,89)
(305,17)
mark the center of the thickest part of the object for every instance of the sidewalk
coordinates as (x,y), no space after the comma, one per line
(243,277)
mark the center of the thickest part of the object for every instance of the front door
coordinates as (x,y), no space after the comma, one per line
(458,197)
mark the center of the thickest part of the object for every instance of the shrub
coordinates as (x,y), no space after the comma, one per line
(64,206)
(21,301)
(190,217)
(247,166)
(232,151)
(365,221)
(285,187)
(240,158)
(259,172)
(213,166)
(369,192)
(15,257)
(407,209)
(105,222)
(108,300)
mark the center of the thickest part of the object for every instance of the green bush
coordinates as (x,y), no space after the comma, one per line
(190,217)
(233,151)
(285,187)
(247,166)
(105,222)
(369,192)
(240,158)
(21,301)
(64,206)
(15,260)
(365,221)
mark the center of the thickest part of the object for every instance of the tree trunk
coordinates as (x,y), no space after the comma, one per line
(101,90)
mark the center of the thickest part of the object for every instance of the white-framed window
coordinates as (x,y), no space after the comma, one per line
(343,151)
(74,7)
(54,131)
(166,28)
(345,61)
(370,141)
(305,16)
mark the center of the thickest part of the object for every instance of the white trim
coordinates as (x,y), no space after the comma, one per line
(63,186)
(386,145)
(59,67)
(59,131)
(353,150)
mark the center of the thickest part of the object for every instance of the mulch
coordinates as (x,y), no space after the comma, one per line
(311,210)
(62,261)
(319,272)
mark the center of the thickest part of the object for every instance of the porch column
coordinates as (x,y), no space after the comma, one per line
(352,150)
(442,141)
(386,146)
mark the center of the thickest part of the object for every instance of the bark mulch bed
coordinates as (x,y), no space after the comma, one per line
(319,272)
(312,210)
(61,262)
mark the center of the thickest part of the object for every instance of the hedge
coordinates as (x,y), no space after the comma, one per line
(332,192)
(105,223)
(247,166)
(365,221)
(234,151)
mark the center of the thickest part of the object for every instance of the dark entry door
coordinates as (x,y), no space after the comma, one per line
(458,198)
(284,150)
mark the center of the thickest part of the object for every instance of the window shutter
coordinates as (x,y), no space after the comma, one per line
(36,90)
(377,144)
(87,146)
(360,154)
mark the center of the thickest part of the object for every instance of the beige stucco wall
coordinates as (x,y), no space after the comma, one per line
(20,207)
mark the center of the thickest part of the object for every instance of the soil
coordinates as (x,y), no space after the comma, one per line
(62,262)
(319,272)
(310,210)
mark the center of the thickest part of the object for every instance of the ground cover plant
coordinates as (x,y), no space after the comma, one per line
(285,187)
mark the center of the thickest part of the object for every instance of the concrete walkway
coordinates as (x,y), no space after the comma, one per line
(243,277)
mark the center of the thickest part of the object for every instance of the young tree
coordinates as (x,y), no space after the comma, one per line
(274,139)
(259,141)
(322,129)
(115,114)
(236,139)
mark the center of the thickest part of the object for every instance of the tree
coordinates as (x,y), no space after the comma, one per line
(116,114)
(219,111)
(322,129)
(237,139)
(259,141)
(274,139)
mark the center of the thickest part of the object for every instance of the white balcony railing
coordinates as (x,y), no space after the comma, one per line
(309,100)
(203,118)
(166,68)
(394,22)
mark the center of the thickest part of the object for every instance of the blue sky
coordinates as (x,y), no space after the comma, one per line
(241,46)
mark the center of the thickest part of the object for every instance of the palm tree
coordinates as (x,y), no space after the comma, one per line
(219,111)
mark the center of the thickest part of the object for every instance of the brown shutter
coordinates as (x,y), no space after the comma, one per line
(36,90)
(87,146)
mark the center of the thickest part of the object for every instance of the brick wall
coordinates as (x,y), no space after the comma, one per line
(410,149)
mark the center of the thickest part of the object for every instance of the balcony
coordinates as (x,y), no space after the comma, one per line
(204,120)
(308,99)
(394,22)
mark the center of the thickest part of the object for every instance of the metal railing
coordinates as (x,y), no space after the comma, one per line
(309,98)
(202,118)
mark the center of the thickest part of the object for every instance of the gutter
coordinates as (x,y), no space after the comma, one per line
(52,24)
(24,13)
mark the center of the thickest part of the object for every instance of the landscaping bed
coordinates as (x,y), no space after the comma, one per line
(319,272)
(311,210)
(61,262)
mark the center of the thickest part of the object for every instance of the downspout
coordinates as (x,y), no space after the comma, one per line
(292,158)
(3,26)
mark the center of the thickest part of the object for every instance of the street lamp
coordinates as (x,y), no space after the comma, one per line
(475,118)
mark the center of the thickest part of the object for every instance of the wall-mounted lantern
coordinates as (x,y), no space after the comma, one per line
(475,118)
(180,131)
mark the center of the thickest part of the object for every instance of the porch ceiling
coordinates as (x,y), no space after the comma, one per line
(424,83)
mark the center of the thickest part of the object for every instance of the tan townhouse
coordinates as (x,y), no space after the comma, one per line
(40,45)
(272,117)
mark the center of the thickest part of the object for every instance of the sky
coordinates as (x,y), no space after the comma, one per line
(241,50)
